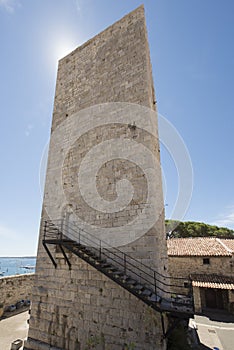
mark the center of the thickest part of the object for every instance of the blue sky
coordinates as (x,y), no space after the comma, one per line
(192,55)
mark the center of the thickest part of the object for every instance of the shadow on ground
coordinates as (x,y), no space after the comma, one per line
(219,315)
(8,314)
(204,347)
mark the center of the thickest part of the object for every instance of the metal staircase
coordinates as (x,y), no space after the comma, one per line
(160,292)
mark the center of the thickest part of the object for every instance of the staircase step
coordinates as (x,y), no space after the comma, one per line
(92,258)
(79,245)
(112,269)
(154,298)
(138,287)
(92,254)
(87,253)
(130,281)
(105,265)
(100,261)
(84,248)
(146,292)
(118,274)
(74,247)
(166,304)
(68,245)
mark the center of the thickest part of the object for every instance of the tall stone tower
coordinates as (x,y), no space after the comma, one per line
(99,186)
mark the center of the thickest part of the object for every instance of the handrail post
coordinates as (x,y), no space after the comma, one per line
(79,237)
(60,232)
(155,287)
(57,231)
(100,249)
(125,263)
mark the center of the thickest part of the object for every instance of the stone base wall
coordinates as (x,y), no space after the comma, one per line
(74,309)
(15,288)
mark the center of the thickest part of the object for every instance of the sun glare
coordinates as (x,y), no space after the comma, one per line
(58,45)
(63,47)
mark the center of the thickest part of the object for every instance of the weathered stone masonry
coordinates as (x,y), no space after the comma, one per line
(15,288)
(72,308)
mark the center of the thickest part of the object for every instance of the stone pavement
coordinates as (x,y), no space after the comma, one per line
(12,328)
(215,331)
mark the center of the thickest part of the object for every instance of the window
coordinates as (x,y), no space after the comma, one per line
(186,285)
(206,261)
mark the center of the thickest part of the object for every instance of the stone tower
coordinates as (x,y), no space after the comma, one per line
(104,103)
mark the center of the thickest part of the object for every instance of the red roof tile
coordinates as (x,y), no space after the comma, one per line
(200,246)
(229,243)
(212,281)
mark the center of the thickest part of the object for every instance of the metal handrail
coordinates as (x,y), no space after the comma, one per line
(113,248)
(59,229)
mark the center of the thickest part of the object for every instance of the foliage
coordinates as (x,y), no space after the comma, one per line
(179,229)
(130,346)
(93,341)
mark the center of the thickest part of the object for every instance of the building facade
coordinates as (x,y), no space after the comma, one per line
(209,262)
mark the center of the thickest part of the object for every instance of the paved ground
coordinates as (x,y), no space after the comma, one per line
(12,328)
(215,331)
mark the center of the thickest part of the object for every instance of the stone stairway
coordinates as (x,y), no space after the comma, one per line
(152,288)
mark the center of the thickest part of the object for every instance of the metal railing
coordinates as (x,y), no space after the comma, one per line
(171,289)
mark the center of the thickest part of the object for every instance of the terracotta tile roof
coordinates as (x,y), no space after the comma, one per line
(229,243)
(212,281)
(200,246)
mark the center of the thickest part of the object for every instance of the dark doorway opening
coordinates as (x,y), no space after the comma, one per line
(215,298)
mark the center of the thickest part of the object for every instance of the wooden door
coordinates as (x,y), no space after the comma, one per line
(210,297)
(214,298)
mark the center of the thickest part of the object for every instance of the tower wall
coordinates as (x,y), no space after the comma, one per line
(73,309)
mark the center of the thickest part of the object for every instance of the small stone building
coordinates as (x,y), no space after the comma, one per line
(209,262)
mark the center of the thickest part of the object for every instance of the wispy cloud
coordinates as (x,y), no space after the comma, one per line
(226,219)
(9,5)
(28,129)
(78,5)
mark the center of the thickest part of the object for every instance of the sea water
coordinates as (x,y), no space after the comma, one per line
(17,266)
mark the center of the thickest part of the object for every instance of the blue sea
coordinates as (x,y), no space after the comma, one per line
(17,266)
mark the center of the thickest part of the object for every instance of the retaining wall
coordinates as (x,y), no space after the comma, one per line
(15,288)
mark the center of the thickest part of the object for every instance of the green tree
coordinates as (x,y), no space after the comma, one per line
(180,229)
